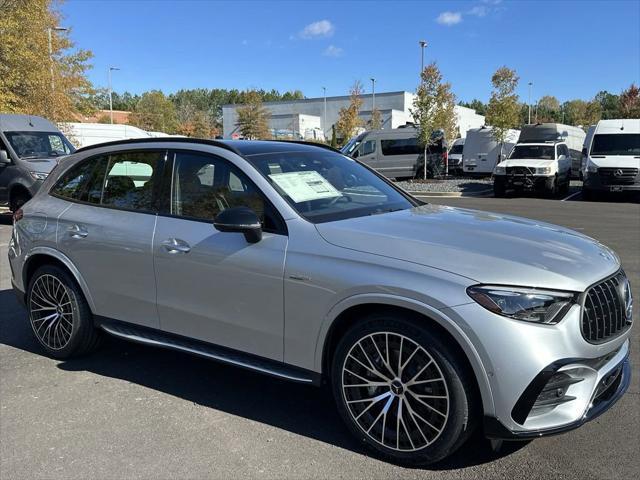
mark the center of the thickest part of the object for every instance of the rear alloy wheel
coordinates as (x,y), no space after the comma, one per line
(399,391)
(59,314)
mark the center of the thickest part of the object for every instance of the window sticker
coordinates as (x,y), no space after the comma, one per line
(305,186)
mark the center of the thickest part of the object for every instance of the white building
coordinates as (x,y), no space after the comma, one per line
(303,116)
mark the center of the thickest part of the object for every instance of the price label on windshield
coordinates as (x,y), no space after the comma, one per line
(305,186)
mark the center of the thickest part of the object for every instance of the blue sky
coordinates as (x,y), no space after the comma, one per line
(569,49)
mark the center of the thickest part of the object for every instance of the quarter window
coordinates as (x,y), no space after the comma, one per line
(400,146)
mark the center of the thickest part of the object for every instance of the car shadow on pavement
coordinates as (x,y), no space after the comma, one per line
(301,409)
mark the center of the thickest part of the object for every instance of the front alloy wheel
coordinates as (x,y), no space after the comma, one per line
(402,389)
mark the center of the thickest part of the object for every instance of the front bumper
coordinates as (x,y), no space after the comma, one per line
(521,359)
(607,183)
(525,181)
(601,402)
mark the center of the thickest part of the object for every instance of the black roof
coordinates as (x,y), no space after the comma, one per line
(239,147)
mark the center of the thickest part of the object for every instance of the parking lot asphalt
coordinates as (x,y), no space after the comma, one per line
(130,411)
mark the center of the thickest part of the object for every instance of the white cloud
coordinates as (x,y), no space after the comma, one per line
(449,18)
(478,11)
(332,51)
(321,28)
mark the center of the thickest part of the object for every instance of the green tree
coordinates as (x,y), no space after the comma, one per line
(349,117)
(609,104)
(582,113)
(475,104)
(155,112)
(253,117)
(31,81)
(433,108)
(630,102)
(503,111)
(548,109)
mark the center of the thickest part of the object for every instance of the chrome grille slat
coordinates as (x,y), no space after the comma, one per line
(603,314)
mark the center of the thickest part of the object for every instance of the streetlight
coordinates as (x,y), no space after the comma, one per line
(49,31)
(373,98)
(530,85)
(422,44)
(111,94)
(324,118)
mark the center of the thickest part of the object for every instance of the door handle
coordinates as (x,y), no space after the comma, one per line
(77,231)
(175,245)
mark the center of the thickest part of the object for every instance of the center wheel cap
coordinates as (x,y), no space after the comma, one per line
(397,388)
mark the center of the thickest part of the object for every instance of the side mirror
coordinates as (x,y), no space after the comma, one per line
(4,157)
(241,220)
(355,154)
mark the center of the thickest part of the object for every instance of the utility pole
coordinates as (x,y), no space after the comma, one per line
(530,85)
(373,98)
(111,94)
(324,119)
(49,31)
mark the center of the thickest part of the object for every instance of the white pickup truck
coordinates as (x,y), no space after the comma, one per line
(541,167)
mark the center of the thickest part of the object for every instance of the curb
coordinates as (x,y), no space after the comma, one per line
(482,193)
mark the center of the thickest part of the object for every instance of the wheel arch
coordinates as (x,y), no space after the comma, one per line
(347,313)
(15,189)
(49,256)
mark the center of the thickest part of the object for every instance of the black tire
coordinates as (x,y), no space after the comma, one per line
(588,194)
(460,420)
(18,199)
(552,192)
(564,189)
(499,189)
(72,333)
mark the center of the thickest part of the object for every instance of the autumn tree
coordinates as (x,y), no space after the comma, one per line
(334,140)
(433,108)
(503,109)
(630,102)
(582,113)
(376,120)
(609,104)
(32,81)
(349,117)
(253,117)
(548,109)
(155,112)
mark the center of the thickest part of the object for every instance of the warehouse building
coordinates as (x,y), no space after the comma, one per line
(306,117)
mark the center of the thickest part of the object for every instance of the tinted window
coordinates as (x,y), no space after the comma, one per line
(368,147)
(563,150)
(456,149)
(542,152)
(400,146)
(616,144)
(323,185)
(73,184)
(130,180)
(205,185)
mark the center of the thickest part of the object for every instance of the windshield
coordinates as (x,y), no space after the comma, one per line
(39,144)
(616,144)
(456,150)
(542,152)
(323,186)
(351,145)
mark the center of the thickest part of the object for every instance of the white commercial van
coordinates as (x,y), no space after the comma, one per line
(613,158)
(455,157)
(85,134)
(480,152)
(395,153)
(585,149)
(557,132)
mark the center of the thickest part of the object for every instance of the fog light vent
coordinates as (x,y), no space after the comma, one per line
(555,391)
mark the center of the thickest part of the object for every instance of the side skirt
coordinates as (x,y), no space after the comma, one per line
(158,338)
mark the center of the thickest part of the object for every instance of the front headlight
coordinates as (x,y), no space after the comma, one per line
(592,168)
(543,170)
(39,175)
(500,170)
(526,304)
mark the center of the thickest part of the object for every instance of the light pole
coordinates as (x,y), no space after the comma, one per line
(373,98)
(324,118)
(49,31)
(530,85)
(111,94)
(423,44)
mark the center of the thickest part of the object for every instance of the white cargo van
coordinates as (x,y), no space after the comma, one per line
(585,150)
(455,157)
(613,158)
(480,152)
(85,134)
(557,132)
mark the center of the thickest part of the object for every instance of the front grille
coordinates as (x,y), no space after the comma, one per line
(604,315)
(520,171)
(617,176)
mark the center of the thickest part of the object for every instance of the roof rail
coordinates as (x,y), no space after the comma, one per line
(304,142)
(202,141)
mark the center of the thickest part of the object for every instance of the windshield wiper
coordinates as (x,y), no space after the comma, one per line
(386,210)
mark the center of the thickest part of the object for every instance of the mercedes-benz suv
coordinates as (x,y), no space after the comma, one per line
(295,261)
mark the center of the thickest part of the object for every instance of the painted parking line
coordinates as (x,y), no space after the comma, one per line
(571,196)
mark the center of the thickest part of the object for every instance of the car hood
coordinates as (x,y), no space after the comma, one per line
(526,162)
(616,161)
(484,247)
(43,165)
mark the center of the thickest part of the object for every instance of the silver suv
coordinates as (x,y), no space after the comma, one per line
(298,262)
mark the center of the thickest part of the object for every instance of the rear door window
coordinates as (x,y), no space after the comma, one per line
(400,146)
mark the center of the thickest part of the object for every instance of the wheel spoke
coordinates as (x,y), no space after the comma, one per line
(372,370)
(427,405)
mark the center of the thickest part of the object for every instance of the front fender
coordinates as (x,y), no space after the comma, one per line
(434,314)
